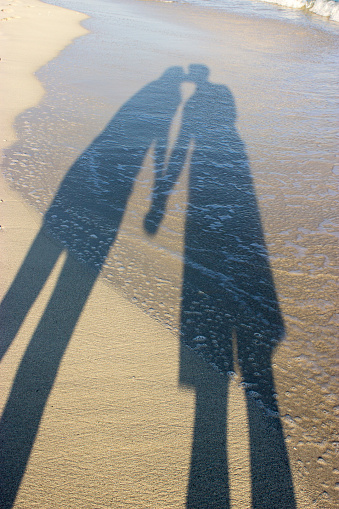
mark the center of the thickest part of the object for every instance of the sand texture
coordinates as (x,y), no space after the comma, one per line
(102,405)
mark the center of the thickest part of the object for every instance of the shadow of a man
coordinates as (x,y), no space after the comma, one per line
(84,218)
(229,306)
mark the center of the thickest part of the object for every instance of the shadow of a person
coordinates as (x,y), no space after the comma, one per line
(84,218)
(229,309)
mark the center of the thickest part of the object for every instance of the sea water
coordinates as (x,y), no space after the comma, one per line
(288,8)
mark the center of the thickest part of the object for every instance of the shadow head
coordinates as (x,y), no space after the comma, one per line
(175,74)
(198,73)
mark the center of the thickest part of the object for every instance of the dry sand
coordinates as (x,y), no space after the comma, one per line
(117,428)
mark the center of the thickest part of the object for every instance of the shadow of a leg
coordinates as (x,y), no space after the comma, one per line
(25,288)
(208,486)
(36,374)
(272,486)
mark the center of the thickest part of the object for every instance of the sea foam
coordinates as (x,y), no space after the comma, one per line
(326,8)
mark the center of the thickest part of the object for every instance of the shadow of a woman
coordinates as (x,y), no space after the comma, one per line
(84,218)
(229,308)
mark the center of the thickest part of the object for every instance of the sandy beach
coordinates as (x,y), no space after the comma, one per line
(100,399)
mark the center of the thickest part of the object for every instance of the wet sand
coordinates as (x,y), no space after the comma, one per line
(117,428)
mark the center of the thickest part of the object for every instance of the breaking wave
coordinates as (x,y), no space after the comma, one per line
(326,8)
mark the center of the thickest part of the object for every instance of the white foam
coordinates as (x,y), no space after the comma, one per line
(326,8)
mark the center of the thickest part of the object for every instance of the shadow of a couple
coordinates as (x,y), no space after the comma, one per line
(227,291)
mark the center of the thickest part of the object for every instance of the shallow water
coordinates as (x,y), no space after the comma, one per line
(302,12)
(285,98)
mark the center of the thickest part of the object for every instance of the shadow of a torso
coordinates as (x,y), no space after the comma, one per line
(227,283)
(87,210)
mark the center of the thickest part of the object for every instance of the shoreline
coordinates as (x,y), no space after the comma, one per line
(30,37)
